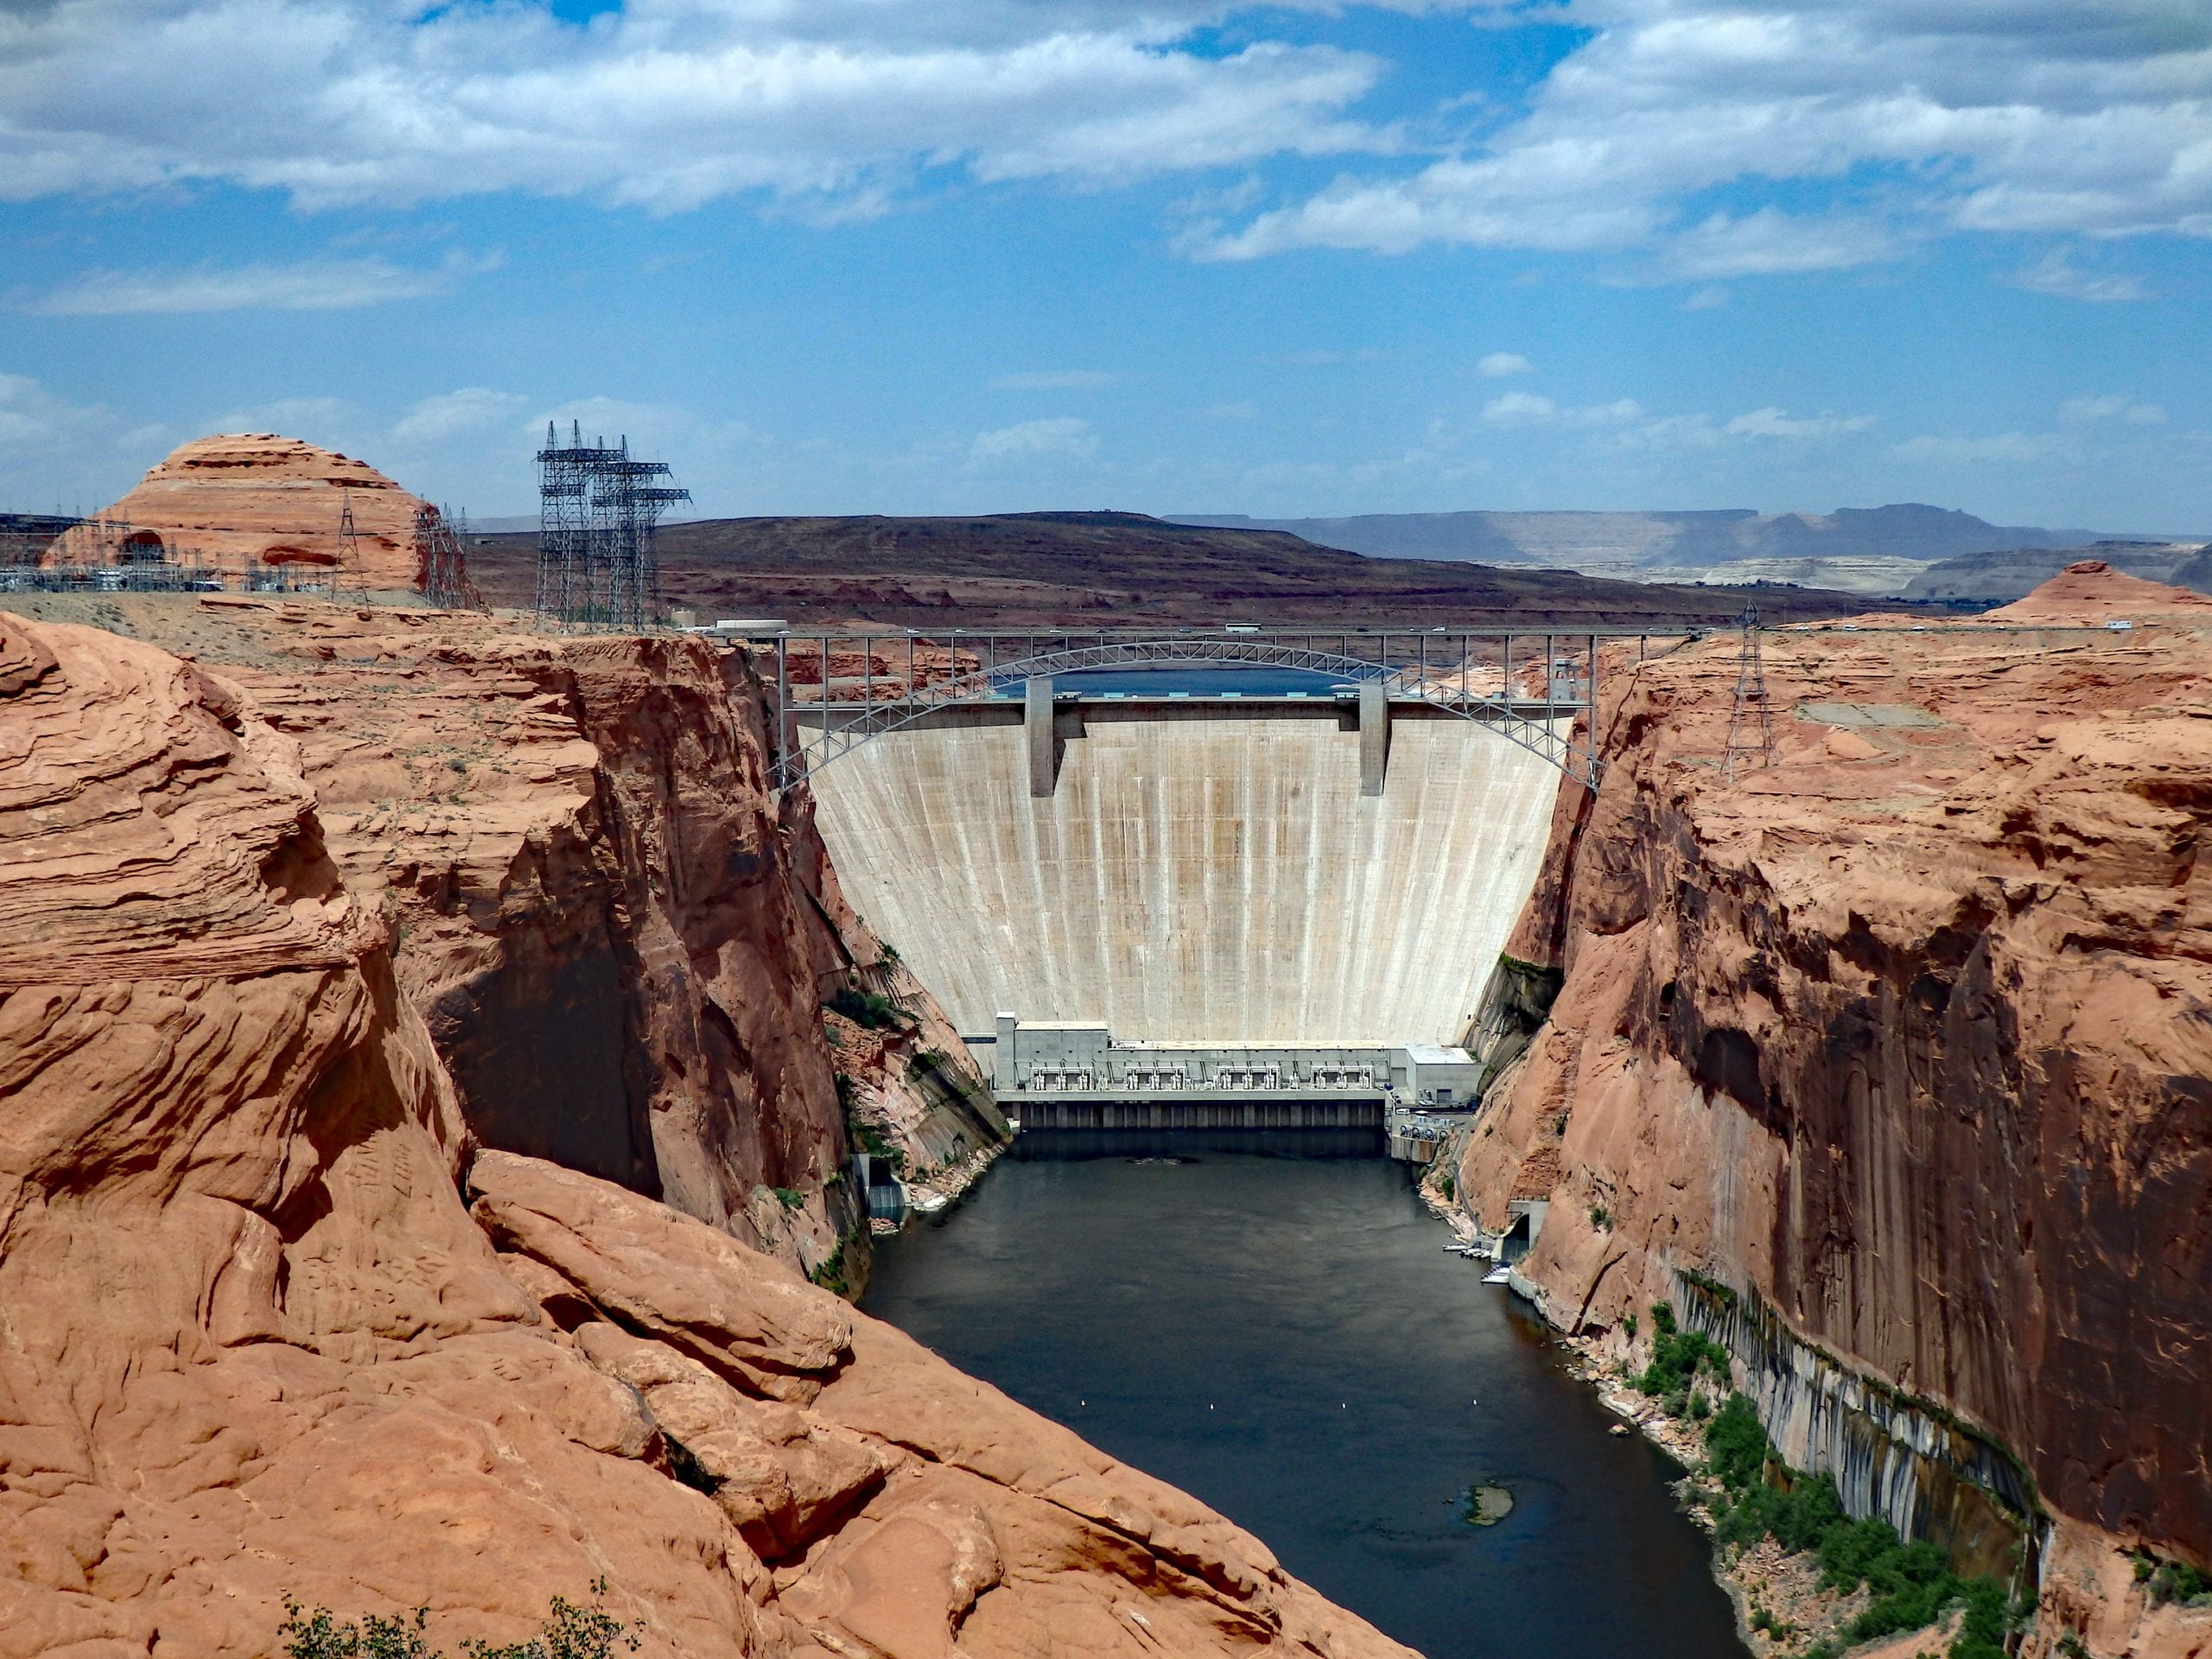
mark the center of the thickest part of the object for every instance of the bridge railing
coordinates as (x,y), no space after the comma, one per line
(1477,674)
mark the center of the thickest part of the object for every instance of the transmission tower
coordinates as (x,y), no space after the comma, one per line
(598,512)
(441,568)
(1751,722)
(349,547)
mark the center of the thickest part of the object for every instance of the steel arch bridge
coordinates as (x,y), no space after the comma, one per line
(1435,667)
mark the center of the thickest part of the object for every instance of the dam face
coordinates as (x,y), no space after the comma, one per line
(1196,879)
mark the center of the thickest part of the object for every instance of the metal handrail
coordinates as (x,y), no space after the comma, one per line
(874,718)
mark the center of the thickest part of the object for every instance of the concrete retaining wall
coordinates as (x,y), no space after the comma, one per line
(1196,879)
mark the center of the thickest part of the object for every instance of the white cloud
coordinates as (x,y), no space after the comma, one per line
(1779,423)
(324,420)
(1672,432)
(463,414)
(1055,380)
(665,104)
(1844,133)
(32,418)
(1500,364)
(2001,448)
(2055,275)
(1532,408)
(327,285)
(2081,410)
(1707,298)
(1519,409)
(1619,412)
(1061,434)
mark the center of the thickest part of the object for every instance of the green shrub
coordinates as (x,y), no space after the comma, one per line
(1735,1445)
(2177,1581)
(864,1008)
(1679,1357)
(1446,1188)
(790,1197)
(1601,1218)
(569,1632)
(830,1274)
(319,1636)
(1910,1586)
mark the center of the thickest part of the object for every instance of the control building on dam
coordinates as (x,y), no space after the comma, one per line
(1201,897)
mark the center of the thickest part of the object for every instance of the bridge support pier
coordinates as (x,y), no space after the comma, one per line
(1374,735)
(1037,728)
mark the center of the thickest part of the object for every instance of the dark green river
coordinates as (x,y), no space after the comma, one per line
(1273,1326)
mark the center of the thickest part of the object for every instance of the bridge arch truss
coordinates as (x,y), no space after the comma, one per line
(1434,667)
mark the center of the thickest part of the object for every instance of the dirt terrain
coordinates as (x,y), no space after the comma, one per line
(1093,569)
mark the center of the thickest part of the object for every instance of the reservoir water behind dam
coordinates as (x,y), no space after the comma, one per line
(1270,1321)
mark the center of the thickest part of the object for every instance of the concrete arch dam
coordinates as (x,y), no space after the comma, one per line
(1200,873)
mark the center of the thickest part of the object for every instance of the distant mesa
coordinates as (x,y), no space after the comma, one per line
(1904,550)
(221,499)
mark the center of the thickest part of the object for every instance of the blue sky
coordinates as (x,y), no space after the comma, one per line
(986,255)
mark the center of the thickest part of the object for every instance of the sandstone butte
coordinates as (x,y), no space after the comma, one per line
(275,1319)
(275,498)
(1908,1038)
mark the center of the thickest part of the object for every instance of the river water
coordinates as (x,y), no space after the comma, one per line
(1272,1324)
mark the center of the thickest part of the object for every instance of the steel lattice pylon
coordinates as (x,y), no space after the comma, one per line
(1533,723)
(441,568)
(598,512)
(349,548)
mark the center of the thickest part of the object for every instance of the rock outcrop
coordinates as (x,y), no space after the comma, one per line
(1904,1040)
(620,942)
(271,1324)
(275,498)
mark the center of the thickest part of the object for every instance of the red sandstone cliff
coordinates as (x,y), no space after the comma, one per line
(619,941)
(268,1325)
(1908,1035)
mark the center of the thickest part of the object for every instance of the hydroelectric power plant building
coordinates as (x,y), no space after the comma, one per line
(1067,1074)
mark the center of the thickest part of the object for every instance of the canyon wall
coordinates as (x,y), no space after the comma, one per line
(1204,879)
(618,939)
(273,1323)
(1900,1044)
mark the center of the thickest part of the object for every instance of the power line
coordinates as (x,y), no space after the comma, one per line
(1751,722)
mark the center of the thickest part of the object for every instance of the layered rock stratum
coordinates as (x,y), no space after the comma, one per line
(275,498)
(619,940)
(274,1321)
(1896,1050)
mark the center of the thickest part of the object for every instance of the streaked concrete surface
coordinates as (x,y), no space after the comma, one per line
(1196,879)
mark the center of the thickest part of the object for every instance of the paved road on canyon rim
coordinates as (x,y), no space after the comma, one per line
(1284,1336)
